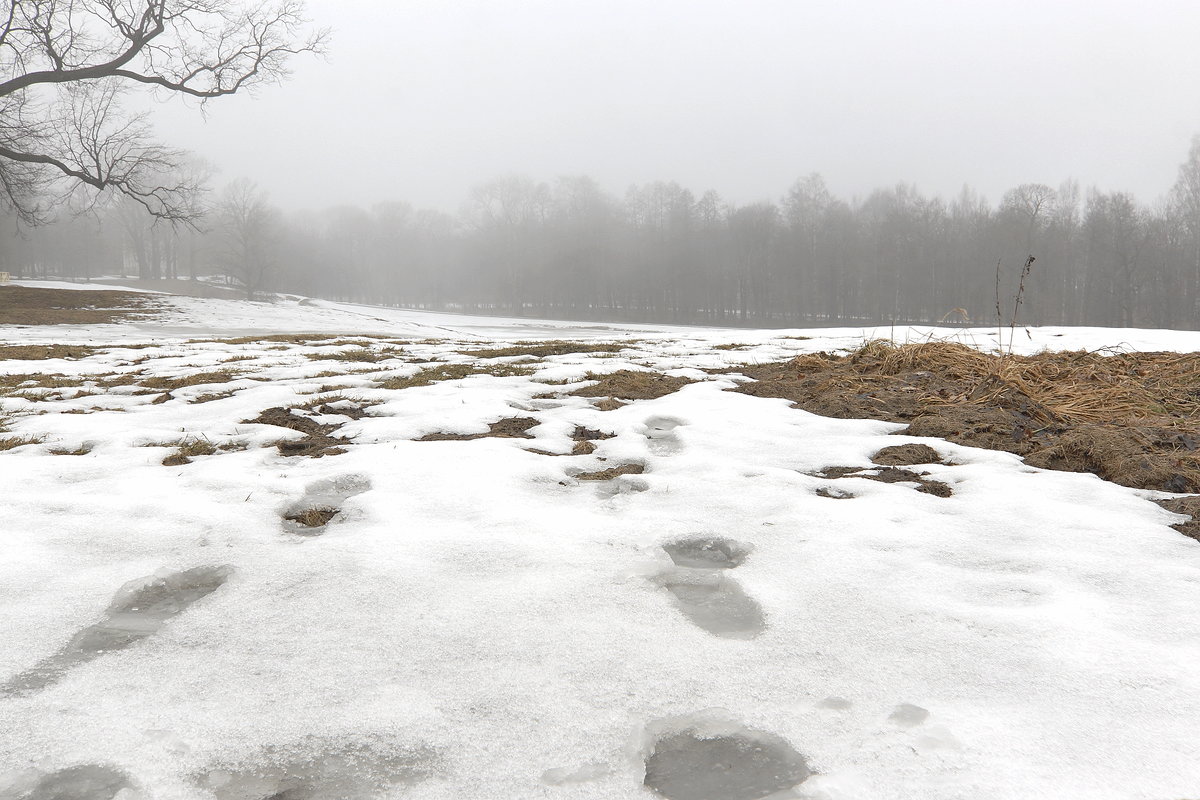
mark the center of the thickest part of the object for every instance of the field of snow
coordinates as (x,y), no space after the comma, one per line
(485,619)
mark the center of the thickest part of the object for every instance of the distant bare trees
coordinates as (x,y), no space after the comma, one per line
(661,253)
(66,64)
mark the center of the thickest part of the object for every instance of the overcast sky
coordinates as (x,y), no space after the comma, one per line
(421,99)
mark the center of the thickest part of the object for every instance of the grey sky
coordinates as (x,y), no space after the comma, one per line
(421,99)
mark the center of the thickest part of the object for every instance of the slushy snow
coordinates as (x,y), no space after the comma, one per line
(476,622)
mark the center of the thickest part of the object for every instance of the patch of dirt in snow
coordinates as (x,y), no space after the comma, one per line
(1130,418)
(611,472)
(628,384)
(511,428)
(887,475)
(316,442)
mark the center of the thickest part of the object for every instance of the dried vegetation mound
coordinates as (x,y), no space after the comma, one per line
(1131,418)
(25,305)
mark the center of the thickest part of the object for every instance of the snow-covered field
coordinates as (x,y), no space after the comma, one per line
(480,622)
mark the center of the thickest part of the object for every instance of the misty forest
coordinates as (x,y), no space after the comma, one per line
(665,253)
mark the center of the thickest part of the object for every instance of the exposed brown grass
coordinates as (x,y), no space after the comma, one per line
(611,472)
(1132,418)
(453,372)
(313,517)
(511,428)
(630,385)
(359,353)
(187,449)
(25,305)
(11,442)
(161,384)
(41,352)
(555,347)
(81,450)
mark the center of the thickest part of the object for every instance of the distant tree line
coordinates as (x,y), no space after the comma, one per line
(661,253)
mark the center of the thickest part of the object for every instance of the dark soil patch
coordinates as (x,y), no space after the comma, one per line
(313,517)
(611,472)
(543,349)
(511,428)
(906,455)
(626,384)
(316,442)
(890,475)
(1185,505)
(187,450)
(25,305)
(1131,418)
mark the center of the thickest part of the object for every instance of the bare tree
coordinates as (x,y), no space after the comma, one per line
(249,230)
(65,65)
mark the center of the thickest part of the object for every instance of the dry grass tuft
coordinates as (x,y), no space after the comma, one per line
(82,450)
(187,449)
(313,517)
(11,442)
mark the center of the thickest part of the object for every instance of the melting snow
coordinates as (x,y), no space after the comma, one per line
(475,622)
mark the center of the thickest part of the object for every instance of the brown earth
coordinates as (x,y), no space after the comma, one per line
(551,348)
(317,441)
(613,387)
(611,472)
(26,305)
(511,428)
(1130,418)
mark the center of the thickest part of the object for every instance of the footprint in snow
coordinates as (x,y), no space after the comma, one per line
(661,436)
(708,756)
(321,502)
(702,590)
(82,782)
(321,769)
(138,610)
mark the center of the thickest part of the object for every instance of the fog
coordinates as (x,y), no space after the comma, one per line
(420,101)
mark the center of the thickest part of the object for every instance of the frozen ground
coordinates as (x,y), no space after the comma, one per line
(477,621)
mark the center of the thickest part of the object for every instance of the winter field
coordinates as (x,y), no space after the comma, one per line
(397,554)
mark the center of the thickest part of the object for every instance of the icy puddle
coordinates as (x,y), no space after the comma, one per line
(138,610)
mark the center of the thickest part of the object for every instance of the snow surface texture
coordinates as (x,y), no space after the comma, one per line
(475,622)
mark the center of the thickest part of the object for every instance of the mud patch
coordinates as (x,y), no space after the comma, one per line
(511,428)
(454,372)
(889,475)
(138,610)
(629,385)
(723,762)
(1131,418)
